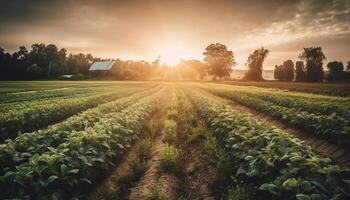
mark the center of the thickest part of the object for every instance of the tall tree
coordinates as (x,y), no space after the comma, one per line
(314,63)
(288,67)
(285,72)
(255,63)
(219,60)
(300,71)
(347,72)
(335,71)
(52,57)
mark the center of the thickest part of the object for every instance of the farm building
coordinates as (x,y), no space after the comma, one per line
(101,67)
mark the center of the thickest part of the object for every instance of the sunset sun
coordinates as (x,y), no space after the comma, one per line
(173,55)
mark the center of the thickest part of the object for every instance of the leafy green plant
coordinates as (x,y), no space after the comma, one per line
(27,116)
(72,166)
(169,158)
(156,194)
(321,116)
(266,161)
(170,130)
(20,150)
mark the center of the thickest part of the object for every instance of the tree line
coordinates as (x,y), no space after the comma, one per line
(47,61)
(42,61)
(312,71)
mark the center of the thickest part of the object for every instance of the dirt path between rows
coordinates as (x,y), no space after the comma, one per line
(105,189)
(323,147)
(199,173)
(168,184)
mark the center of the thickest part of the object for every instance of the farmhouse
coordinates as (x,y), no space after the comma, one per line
(101,67)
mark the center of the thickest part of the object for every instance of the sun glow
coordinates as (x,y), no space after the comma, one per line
(173,55)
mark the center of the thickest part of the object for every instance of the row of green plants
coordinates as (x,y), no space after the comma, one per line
(14,107)
(21,99)
(317,104)
(265,162)
(73,166)
(38,114)
(22,148)
(312,117)
(16,97)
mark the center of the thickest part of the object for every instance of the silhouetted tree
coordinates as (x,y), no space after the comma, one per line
(300,71)
(277,72)
(52,60)
(335,72)
(255,63)
(219,60)
(6,66)
(314,60)
(347,72)
(285,72)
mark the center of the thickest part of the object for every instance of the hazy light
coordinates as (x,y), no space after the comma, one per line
(173,55)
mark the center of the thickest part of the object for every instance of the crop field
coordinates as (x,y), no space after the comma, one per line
(171,140)
(335,89)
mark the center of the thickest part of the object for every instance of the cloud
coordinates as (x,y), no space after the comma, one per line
(141,29)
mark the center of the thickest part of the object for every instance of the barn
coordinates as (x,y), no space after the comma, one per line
(101,68)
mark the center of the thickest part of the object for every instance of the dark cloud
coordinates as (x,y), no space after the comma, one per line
(141,28)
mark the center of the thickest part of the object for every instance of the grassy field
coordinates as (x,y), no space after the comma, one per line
(173,140)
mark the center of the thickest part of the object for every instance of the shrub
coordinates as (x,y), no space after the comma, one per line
(169,159)
(170,129)
(144,150)
(156,194)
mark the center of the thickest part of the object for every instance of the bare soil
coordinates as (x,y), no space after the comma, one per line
(167,183)
(199,175)
(104,191)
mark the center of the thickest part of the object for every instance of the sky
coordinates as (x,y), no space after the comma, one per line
(146,29)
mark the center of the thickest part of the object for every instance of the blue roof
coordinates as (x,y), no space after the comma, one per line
(104,65)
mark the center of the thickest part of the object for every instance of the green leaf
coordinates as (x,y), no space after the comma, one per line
(269,187)
(52,178)
(303,197)
(73,171)
(292,182)
(86,180)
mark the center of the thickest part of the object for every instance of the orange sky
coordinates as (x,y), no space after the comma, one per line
(131,29)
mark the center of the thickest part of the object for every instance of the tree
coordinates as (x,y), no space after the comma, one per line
(34,71)
(347,72)
(52,57)
(314,60)
(335,71)
(285,72)
(191,69)
(300,71)
(277,72)
(255,63)
(219,60)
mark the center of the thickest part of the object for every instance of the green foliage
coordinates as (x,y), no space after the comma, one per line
(27,116)
(336,72)
(254,63)
(21,149)
(170,130)
(323,117)
(266,161)
(284,72)
(156,194)
(219,60)
(314,60)
(169,159)
(70,167)
(144,150)
(238,193)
